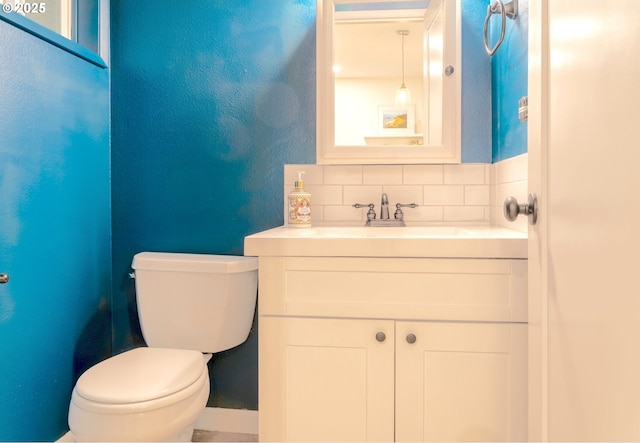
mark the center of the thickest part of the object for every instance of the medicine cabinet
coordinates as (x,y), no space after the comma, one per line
(365,50)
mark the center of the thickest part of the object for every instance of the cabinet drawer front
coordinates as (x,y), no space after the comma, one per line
(401,288)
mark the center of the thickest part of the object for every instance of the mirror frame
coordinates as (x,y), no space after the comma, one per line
(326,150)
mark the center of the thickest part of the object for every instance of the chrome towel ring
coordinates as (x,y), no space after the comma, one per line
(509,10)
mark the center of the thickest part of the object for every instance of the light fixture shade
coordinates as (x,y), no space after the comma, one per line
(403,96)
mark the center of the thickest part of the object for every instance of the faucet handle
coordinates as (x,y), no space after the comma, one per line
(399,215)
(371,213)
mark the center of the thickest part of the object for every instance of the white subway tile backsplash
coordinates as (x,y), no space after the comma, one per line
(512,169)
(344,214)
(382,175)
(509,178)
(477,195)
(343,175)
(444,193)
(464,213)
(465,174)
(423,174)
(519,190)
(317,212)
(325,195)
(424,214)
(493,175)
(403,194)
(362,194)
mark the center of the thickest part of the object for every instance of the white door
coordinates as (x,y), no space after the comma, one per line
(584,253)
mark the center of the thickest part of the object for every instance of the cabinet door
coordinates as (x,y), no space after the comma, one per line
(326,379)
(461,381)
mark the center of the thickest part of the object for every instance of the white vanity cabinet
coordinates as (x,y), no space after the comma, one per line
(358,348)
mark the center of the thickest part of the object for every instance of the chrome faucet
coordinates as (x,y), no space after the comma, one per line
(384,207)
(385,220)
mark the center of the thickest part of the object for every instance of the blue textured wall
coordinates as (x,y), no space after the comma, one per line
(88,24)
(476,85)
(210,99)
(509,77)
(54,231)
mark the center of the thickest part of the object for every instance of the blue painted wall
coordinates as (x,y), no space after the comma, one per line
(476,85)
(210,99)
(54,231)
(88,24)
(509,78)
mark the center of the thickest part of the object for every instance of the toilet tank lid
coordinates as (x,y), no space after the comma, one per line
(172,261)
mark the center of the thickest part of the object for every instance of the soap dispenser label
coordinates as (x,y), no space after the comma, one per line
(299,205)
(299,210)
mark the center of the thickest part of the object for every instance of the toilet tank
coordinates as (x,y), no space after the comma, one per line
(195,301)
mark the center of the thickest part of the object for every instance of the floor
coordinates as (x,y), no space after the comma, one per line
(199,435)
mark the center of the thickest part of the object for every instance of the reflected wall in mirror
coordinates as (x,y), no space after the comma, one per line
(366,50)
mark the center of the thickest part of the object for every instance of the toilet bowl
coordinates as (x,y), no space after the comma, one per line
(126,397)
(156,393)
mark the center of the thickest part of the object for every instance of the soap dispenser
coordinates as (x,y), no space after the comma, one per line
(299,205)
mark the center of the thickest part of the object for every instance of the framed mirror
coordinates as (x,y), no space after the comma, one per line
(366,51)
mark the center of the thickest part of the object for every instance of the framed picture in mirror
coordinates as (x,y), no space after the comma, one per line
(396,120)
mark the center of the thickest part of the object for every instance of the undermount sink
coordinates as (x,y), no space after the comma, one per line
(407,241)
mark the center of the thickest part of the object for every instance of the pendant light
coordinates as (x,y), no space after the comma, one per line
(403,96)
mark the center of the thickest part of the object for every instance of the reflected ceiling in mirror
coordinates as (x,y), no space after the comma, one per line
(366,51)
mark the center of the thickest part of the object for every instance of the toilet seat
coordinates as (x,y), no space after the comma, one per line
(141,379)
(158,398)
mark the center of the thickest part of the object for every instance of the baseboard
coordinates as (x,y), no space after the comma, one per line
(243,421)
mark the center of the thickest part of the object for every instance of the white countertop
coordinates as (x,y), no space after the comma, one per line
(408,241)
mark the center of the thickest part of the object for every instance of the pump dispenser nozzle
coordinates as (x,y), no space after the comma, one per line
(299,183)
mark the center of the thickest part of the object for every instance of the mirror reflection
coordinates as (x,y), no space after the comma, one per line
(388,81)
(378,67)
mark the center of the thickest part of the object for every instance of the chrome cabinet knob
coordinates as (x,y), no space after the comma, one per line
(380,336)
(411,338)
(4,278)
(512,209)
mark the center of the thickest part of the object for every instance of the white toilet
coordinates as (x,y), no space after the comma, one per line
(188,304)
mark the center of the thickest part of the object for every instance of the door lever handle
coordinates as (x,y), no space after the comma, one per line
(512,209)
